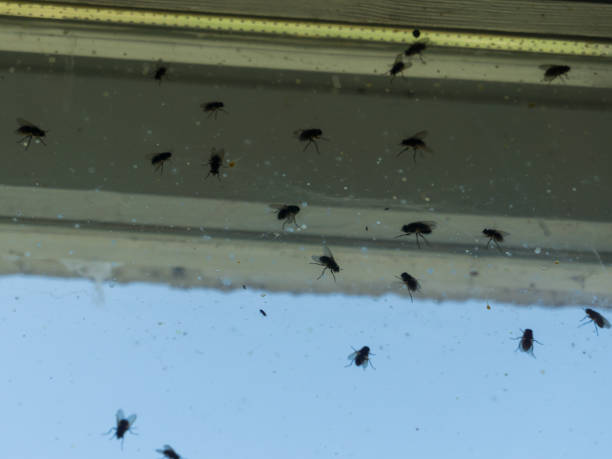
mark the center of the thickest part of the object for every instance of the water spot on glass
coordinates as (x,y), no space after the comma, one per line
(60,216)
(537,251)
(430,271)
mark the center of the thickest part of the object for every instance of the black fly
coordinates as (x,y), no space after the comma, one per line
(160,73)
(552,72)
(215,162)
(416,49)
(361,357)
(411,284)
(526,342)
(596,318)
(213,108)
(263,313)
(419,229)
(123,425)
(311,136)
(287,213)
(327,261)
(168,451)
(398,67)
(415,143)
(29,130)
(159,159)
(495,236)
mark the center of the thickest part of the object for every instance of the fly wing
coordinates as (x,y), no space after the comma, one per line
(420,135)
(352,355)
(23,122)
(545,66)
(317,259)
(606,323)
(277,206)
(327,252)
(131,419)
(432,225)
(503,233)
(120,416)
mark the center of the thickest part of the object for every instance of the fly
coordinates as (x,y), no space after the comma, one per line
(263,313)
(123,425)
(398,67)
(552,72)
(213,108)
(526,342)
(361,357)
(159,159)
(495,236)
(311,136)
(29,131)
(327,261)
(168,451)
(419,229)
(411,284)
(596,318)
(287,213)
(416,143)
(416,49)
(215,162)
(160,73)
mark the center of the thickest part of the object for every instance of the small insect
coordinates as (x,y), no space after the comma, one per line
(311,136)
(327,261)
(159,159)
(361,357)
(213,108)
(411,284)
(526,342)
(552,72)
(123,425)
(160,73)
(596,318)
(244,286)
(168,451)
(29,131)
(416,33)
(263,313)
(417,144)
(287,213)
(416,49)
(419,229)
(215,162)
(398,67)
(495,236)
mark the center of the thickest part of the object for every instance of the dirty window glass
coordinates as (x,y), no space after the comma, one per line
(219,246)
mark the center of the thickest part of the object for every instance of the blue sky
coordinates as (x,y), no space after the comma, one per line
(207,374)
